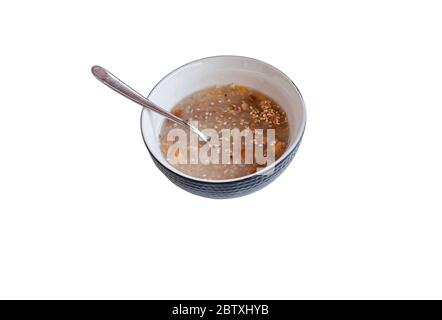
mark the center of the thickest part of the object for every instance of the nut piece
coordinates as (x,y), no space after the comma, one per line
(253,168)
(178,112)
(279,148)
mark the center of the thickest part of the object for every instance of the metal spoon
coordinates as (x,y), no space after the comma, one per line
(119,86)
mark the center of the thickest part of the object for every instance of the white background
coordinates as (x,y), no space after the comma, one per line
(84,213)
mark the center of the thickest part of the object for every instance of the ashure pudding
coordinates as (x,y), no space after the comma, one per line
(248,131)
(249,94)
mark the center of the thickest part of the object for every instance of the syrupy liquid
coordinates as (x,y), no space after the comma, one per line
(228,107)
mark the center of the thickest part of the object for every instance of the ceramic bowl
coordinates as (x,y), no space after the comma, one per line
(220,70)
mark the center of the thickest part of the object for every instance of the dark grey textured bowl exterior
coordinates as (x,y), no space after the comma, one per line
(224,190)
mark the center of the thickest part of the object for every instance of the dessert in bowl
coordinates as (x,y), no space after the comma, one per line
(225,93)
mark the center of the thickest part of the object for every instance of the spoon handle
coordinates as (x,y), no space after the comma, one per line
(119,86)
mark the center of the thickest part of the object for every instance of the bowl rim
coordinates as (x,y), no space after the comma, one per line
(258,173)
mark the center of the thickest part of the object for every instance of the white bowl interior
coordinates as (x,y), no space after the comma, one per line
(221,70)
